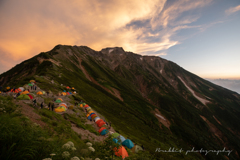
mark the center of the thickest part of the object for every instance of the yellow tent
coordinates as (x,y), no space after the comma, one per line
(87,114)
(90,112)
(73,88)
(8,88)
(39,93)
(25,92)
(32,81)
(59,110)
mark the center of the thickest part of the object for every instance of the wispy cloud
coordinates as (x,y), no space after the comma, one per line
(232,10)
(141,26)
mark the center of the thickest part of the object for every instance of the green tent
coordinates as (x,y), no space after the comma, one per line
(43,92)
(114,135)
(58,101)
(30,84)
(23,97)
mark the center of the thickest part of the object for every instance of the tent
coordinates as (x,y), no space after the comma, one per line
(136,149)
(114,135)
(101,123)
(70,92)
(115,140)
(25,92)
(73,88)
(86,106)
(30,96)
(81,105)
(104,132)
(89,109)
(58,101)
(8,88)
(101,129)
(30,84)
(63,104)
(25,86)
(64,93)
(68,87)
(93,117)
(23,97)
(67,93)
(43,92)
(22,89)
(121,151)
(32,81)
(96,119)
(89,117)
(39,93)
(93,114)
(128,143)
(121,138)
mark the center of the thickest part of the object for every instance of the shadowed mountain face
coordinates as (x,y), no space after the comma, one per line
(152,101)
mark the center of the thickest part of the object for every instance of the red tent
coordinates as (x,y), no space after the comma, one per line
(93,115)
(101,129)
(86,106)
(30,96)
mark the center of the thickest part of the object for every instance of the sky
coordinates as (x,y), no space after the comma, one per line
(202,36)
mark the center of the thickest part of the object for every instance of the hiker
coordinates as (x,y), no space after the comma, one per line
(18,94)
(49,106)
(31,87)
(35,102)
(47,93)
(52,106)
(54,99)
(35,87)
(142,147)
(42,105)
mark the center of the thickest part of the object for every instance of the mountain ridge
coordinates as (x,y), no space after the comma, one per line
(141,87)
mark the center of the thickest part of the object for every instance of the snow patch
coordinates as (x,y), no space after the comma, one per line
(110,50)
(204,101)
(161,71)
(141,58)
(160,116)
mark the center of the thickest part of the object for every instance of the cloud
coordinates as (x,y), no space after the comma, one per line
(141,26)
(232,10)
(233,85)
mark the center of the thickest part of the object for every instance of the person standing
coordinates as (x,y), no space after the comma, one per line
(42,105)
(35,87)
(52,106)
(49,106)
(35,103)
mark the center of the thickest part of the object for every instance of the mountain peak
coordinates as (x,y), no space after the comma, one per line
(117,50)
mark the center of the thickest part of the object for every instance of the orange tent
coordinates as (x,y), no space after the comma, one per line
(93,117)
(121,151)
(90,112)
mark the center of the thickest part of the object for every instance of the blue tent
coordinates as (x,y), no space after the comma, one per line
(64,91)
(104,132)
(92,114)
(121,138)
(116,140)
(70,92)
(89,117)
(128,143)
